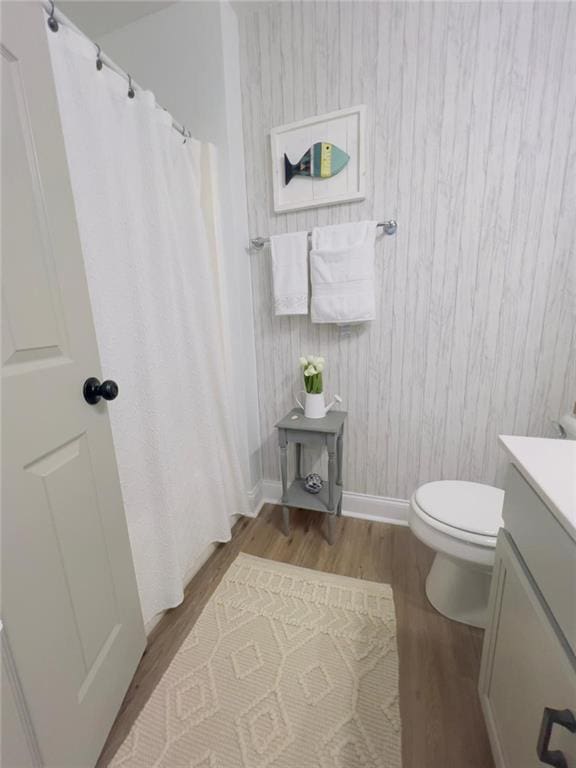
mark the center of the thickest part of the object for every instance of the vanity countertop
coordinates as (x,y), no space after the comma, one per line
(549,465)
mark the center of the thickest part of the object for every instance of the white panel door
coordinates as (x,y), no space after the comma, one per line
(70,603)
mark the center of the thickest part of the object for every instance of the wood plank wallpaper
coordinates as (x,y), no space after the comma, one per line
(472,148)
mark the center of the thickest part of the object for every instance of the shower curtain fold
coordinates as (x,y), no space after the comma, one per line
(146,214)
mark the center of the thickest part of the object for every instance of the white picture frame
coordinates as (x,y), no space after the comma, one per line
(345,128)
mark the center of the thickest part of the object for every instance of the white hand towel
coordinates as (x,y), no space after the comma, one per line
(342,273)
(290,273)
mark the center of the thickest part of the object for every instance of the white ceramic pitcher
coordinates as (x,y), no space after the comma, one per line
(315,406)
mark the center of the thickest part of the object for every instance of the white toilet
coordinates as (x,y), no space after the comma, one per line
(460,520)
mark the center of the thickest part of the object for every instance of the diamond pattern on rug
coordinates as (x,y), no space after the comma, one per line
(315,683)
(264,731)
(285,668)
(191,700)
(348,747)
(246,660)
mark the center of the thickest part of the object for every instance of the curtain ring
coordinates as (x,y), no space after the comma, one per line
(52,23)
(130,88)
(98,58)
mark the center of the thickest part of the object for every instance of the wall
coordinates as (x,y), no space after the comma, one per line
(96,20)
(188,55)
(472,148)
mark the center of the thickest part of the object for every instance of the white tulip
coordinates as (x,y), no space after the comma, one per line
(320,367)
(303,362)
(320,360)
(310,371)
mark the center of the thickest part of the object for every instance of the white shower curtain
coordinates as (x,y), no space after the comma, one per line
(145,208)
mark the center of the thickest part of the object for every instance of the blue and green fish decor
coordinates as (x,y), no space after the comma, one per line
(322,161)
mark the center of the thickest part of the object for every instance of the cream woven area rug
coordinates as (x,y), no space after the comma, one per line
(285,668)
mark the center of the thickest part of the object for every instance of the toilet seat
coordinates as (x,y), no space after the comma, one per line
(470,512)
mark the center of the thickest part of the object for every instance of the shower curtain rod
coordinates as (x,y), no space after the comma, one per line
(54,13)
(389,228)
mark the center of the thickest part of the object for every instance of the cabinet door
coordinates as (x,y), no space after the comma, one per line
(525,667)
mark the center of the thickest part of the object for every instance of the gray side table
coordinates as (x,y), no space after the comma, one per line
(327,432)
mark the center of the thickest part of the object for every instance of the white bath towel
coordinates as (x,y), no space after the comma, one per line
(342,273)
(290,273)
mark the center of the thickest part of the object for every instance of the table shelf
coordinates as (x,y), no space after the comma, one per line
(298,496)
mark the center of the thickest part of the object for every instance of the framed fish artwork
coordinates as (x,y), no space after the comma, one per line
(320,160)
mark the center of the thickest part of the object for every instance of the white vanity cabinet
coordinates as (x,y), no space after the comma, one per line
(524,668)
(528,675)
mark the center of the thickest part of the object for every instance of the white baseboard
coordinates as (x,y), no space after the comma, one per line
(361,505)
(255,499)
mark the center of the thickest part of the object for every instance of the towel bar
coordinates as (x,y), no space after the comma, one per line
(389,228)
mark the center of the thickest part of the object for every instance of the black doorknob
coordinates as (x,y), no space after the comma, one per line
(93,390)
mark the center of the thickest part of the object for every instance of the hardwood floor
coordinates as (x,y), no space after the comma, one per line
(439,659)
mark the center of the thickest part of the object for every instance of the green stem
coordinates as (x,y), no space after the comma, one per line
(313,384)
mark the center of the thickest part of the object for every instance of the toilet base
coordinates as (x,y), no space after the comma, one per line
(459,590)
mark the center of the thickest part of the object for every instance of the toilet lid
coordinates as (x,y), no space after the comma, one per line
(467,506)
